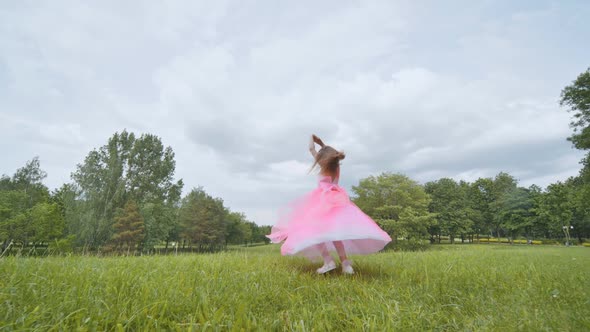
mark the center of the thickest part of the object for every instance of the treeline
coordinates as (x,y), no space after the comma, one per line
(488,207)
(122,198)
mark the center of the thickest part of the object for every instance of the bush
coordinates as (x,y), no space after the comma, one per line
(549,241)
(504,240)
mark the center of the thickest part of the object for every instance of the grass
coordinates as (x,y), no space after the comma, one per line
(461,287)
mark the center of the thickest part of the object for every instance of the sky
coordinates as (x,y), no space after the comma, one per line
(430,89)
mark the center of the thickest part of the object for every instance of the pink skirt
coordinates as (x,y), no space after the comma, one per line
(323,216)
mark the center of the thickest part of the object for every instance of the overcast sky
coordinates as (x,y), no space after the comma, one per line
(431,89)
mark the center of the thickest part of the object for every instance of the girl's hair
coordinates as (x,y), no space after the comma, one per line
(328,159)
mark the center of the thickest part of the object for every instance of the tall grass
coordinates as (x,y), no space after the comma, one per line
(470,288)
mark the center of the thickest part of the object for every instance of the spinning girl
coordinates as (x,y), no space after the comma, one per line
(325,220)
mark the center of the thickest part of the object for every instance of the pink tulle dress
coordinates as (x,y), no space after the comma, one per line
(324,215)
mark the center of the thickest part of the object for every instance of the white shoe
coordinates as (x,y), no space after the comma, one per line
(347,267)
(327,267)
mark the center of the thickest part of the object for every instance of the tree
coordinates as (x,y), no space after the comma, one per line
(237,231)
(246,230)
(29,179)
(202,219)
(46,223)
(13,217)
(263,231)
(257,233)
(481,197)
(503,185)
(160,221)
(126,168)
(580,198)
(538,222)
(452,209)
(65,199)
(128,227)
(577,98)
(397,203)
(516,213)
(557,208)
(22,204)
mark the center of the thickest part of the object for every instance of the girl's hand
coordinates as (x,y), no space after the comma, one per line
(317,140)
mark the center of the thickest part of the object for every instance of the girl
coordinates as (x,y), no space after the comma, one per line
(326,220)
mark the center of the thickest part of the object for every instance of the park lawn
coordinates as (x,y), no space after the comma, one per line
(448,288)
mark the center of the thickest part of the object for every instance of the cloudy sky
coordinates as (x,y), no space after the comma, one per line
(431,89)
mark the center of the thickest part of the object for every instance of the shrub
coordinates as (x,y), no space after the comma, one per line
(550,241)
(504,240)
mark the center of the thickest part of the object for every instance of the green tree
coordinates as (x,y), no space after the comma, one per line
(557,207)
(580,198)
(449,202)
(202,219)
(29,179)
(246,230)
(257,233)
(503,186)
(517,212)
(65,199)
(22,199)
(46,223)
(126,168)
(13,217)
(577,98)
(160,221)
(539,223)
(237,231)
(481,197)
(397,203)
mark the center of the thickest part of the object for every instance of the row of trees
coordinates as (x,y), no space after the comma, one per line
(122,197)
(68,217)
(491,207)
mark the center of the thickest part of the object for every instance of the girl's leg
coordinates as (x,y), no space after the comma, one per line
(340,249)
(324,251)
(346,265)
(329,264)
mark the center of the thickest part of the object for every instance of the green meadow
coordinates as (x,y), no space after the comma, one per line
(447,288)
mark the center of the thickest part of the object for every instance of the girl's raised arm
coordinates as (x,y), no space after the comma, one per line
(314,139)
(312,147)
